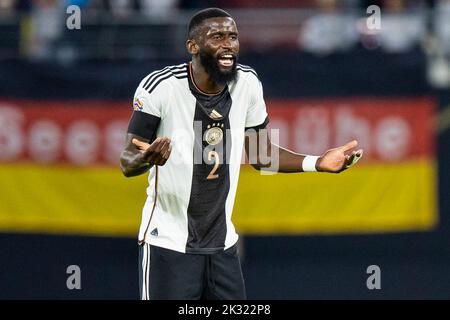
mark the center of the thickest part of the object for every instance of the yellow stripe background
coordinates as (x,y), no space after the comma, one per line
(100,201)
(364,199)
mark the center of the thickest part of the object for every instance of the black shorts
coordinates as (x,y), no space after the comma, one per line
(170,275)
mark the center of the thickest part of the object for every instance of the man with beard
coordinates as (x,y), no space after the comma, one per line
(187,130)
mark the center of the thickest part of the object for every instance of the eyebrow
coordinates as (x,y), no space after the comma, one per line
(222,32)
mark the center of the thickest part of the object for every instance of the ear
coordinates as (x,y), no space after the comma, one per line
(192,47)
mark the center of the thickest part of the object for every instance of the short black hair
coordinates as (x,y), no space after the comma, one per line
(201,16)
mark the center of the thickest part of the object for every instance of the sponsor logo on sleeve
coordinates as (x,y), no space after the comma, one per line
(137,105)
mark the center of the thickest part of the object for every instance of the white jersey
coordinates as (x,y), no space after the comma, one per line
(190,199)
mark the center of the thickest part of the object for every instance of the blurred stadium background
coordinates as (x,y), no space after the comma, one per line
(65,99)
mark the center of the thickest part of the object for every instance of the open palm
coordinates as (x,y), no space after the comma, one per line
(338,159)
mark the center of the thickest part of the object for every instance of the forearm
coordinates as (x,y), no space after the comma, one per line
(289,161)
(132,164)
(278,159)
(333,160)
(264,155)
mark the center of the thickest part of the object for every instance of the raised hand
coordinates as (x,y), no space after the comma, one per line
(156,153)
(339,159)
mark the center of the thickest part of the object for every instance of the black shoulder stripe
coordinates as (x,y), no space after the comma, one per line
(179,71)
(162,78)
(243,66)
(247,70)
(156,72)
(166,70)
(156,78)
(154,75)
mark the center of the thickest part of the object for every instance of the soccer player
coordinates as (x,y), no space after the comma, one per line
(187,129)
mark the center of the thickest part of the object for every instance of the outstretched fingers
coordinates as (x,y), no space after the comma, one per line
(349,146)
(353,158)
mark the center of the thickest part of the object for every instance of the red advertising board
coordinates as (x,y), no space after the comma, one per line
(389,130)
(81,133)
(92,132)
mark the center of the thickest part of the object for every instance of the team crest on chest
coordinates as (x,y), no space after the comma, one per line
(214,133)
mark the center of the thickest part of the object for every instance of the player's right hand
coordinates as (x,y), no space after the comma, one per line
(156,153)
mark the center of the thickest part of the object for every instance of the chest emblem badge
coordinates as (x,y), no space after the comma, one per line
(214,133)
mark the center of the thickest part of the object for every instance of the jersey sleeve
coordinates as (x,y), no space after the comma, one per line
(147,110)
(256,117)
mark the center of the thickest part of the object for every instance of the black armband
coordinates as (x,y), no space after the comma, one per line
(143,125)
(261,126)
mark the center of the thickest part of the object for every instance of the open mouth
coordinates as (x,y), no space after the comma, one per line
(226,60)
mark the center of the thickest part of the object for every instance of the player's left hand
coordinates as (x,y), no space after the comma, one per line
(339,159)
(155,153)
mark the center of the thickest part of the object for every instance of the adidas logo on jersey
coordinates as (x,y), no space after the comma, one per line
(215,115)
(154,232)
